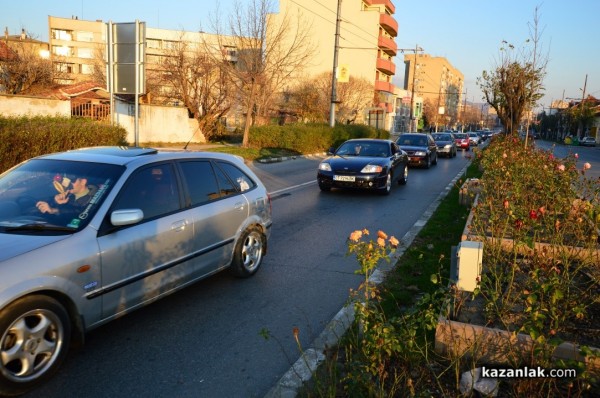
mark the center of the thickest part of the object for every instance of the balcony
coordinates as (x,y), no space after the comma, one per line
(388,45)
(384,86)
(385,66)
(388,4)
(389,24)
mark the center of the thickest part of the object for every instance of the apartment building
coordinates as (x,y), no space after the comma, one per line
(436,81)
(22,42)
(77,48)
(366,48)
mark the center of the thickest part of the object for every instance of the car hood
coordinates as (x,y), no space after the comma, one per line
(354,163)
(12,245)
(443,142)
(413,148)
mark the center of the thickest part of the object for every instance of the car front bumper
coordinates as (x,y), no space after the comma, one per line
(362,181)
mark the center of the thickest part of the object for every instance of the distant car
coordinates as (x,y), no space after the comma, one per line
(421,148)
(446,144)
(372,164)
(462,141)
(588,141)
(474,138)
(152,223)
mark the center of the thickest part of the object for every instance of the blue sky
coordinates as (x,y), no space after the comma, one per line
(467,32)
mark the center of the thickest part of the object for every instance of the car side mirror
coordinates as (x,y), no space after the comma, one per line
(331,151)
(126,217)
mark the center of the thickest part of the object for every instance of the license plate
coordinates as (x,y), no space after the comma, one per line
(344,178)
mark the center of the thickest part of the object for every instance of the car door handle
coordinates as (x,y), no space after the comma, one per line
(239,206)
(178,226)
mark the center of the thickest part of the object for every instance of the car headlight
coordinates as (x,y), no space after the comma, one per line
(447,146)
(372,168)
(325,166)
(420,153)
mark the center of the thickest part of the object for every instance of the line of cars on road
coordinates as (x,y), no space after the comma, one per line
(375,164)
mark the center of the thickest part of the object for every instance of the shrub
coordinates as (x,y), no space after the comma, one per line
(309,138)
(22,138)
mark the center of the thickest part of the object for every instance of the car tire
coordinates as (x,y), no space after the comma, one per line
(404,177)
(248,253)
(388,185)
(324,187)
(35,333)
(428,164)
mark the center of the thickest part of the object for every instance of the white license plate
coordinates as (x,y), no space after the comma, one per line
(344,178)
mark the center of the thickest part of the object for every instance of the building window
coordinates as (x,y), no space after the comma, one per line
(85,36)
(62,51)
(63,67)
(86,69)
(85,53)
(153,43)
(60,34)
(170,45)
(153,59)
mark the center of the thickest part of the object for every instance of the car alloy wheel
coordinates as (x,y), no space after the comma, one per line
(388,185)
(34,339)
(248,253)
(404,177)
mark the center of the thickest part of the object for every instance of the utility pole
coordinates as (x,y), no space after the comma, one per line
(579,133)
(462,127)
(336,50)
(412,96)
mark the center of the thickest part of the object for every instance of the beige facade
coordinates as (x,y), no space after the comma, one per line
(76,47)
(436,80)
(366,46)
(366,42)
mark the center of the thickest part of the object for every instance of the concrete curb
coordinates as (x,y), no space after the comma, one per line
(285,158)
(303,369)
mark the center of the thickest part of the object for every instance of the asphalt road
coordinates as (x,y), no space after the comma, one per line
(209,339)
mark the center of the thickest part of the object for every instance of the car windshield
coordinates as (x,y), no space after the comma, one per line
(364,148)
(442,137)
(460,135)
(412,140)
(53,196)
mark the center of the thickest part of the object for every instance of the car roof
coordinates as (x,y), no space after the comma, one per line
(413,135)
(368,140)
(123,155)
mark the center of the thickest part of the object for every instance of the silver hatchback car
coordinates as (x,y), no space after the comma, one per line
(91,234)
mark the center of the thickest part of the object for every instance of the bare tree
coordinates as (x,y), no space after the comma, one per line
(516,83)
(268,54)
(311,99)
(23,70)
(190,75)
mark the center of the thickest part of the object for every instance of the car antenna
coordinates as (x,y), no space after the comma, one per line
(187,143)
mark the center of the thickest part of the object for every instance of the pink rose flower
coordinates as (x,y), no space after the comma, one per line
(355,236)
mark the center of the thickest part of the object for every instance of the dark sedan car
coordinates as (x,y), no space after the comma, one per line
(446,144)
(364,163)
(421,148)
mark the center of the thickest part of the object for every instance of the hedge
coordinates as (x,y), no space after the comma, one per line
(309,138)
(25,137)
